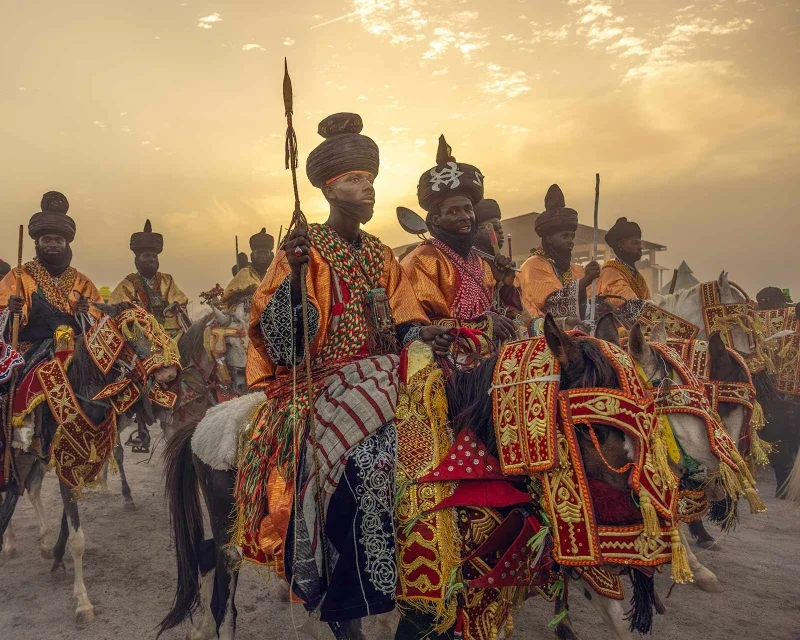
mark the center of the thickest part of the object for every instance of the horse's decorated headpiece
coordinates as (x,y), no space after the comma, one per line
(140,344)
(535,424)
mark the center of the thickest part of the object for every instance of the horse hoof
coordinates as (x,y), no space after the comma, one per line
(709,545)
(129,505)
(84,615)
(564,631)
(705,580)
(58,571)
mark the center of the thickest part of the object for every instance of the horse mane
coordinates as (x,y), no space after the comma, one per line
(470,406)
(673,302)
(190,344)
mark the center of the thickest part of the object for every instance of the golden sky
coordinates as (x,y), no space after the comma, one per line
(172,110)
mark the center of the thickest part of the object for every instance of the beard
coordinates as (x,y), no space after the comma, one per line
(56,264)
(461,243)
(361,211)
(562,258)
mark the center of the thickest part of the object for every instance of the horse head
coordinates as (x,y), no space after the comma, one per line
(236,346)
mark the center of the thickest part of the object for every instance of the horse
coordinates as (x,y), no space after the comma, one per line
(134,375)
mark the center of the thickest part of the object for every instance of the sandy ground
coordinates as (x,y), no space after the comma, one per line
(129,574)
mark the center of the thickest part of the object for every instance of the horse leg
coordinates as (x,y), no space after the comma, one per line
(119,455)
(704,539)
(207,629)
(60,547)
(104,478)
(704,578)
(84,610)
(7,538)
(611,611)
(35,496)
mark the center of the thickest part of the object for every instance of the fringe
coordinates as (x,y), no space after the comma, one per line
(658,449)
(643,602)
(681,571)
(652,528)
(725,513)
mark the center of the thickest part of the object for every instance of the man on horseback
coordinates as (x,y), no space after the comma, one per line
(52,292)
(247,278)
(619,279)
(359,309)
(550,282)
(152,289)
(454,285)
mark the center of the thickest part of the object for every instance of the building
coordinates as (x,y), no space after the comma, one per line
(524,241)
(684,280)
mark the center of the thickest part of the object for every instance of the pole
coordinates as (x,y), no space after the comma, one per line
(236,262)
(674,282)
(593,313)
(280,233)
(510,252)
(9,427)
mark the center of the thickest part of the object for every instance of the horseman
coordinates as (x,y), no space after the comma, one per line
(550,282)
(619,279)
(490,239)
(454,285)
(247,278)
(52,292)
(241,263)
(360,309)
(152,289)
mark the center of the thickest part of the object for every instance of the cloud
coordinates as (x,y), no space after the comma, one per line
(252,47)
(510,84)
(288,42)
(207,22)
(99,124)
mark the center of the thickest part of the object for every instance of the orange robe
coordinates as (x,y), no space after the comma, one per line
(543,291)
(260,365)
(433,278)
(63,292)
(618,279)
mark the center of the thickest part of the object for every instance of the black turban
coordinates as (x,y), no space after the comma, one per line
(486,209)
(447,179)
(4,268)
(556,216)
(771,298)
(262,240)
(53,218)
(144,241)
(622,230)
(343,151)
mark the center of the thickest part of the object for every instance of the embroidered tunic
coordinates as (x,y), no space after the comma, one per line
(243,286)
(619,279)
(155,296)
(544,290)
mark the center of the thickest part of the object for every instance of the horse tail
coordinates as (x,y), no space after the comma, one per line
(791,488)
(186,520)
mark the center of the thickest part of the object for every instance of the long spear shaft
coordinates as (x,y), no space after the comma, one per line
(236,262)
(299,222)
(9,427)
(593,313)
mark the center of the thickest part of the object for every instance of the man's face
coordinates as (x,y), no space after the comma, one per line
(630,249)
(563,242)
(354,188)
(147,263)
(52,245)
(455,215)
(261,259)
(482,239)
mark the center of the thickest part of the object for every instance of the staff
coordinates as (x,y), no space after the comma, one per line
(593,312)
(9,428)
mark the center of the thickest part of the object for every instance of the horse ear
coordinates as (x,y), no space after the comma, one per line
(607,329)
(659,333)
(559,342)
(725,294)
(637,344)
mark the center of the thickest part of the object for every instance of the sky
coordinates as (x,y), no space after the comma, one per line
(172,110)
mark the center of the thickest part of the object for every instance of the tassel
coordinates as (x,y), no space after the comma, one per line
(730,482)
(92,453)
(759,450)
(112,464)
(659,451)
(651,526)
(757,420)
(509,626)
(752,497)
(681,571)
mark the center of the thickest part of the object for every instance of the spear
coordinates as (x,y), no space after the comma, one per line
(299,222)
(236,261)
(593,312)
(9,427)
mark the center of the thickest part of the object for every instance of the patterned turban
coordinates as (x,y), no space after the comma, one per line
(447,179)
(53,218)
(146,240)
(344,150)
(485,210)
(622,230)
(262,240)
(556,216)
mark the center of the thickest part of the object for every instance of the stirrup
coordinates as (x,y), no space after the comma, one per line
(141,446)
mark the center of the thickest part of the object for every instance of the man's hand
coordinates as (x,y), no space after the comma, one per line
(502,327)
(501,268)
(298,251)
(590,274)
(82,306)
(439,338)
(15,304)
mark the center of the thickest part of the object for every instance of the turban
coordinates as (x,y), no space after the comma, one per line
(344,150)
(447,179)
(771,298)
(143,241)
(622,230)
(485,210)
(262,240)
(4,268)
(53,218)
(556,216)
